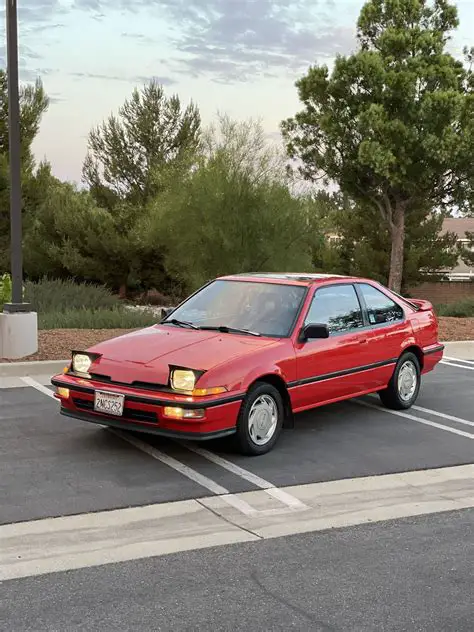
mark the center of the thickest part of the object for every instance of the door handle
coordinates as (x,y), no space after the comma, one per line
(363,341)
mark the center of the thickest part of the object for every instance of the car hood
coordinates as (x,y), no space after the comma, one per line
(145,355)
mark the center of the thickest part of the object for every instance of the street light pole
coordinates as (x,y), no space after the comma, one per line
(14,143)
(18,324)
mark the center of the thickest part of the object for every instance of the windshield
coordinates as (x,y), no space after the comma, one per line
(268,309)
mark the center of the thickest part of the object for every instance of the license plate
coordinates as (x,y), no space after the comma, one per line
(110,403)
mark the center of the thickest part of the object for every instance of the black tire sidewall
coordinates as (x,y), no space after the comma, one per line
(246,445)
(404,358)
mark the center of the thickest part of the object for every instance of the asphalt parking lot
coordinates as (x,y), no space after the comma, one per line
(55,466)
(139,567)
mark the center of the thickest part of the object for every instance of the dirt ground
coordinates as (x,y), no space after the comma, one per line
(56,344)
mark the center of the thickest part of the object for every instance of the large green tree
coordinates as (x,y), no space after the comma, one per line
(364,244)
(71,236)
(392,124)
(33,104)
(128,154)
(131,158)
(235,213)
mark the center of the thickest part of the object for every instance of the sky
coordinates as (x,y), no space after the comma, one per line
(241,57)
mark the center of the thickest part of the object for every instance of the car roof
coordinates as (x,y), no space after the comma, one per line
(296,278)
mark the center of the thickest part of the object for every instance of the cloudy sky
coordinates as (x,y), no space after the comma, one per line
(237,56)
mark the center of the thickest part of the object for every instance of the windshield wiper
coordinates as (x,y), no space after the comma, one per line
(226,330)
(181,323)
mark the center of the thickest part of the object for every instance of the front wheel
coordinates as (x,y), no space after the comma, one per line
(404,385)
(260,420)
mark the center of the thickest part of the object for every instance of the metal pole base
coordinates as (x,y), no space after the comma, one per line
(18,335)
(16,308)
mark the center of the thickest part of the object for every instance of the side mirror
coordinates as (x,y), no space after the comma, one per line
(165,311)
(314,330)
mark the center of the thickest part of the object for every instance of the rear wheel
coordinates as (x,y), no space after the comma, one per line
(404,385)
(260,420)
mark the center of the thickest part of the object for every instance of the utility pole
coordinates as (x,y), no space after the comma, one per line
(14,144)
(18,324)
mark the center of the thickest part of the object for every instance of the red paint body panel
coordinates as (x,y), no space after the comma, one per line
(315,372)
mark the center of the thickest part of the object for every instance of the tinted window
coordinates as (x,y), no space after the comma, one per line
(381,309)
(266,308)
(336,306)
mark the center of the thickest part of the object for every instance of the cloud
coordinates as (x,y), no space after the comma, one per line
(31,13)
(28,67)
(37,19)
(239,39)
(139,37)
(136,79)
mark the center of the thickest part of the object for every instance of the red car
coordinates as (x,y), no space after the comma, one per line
(245,352)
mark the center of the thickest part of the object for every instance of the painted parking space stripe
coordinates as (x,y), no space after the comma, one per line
(435,413)
(419,420)
(286,499)
(266,486)
(458,366)
(458,360)
(185,470)
(29,381)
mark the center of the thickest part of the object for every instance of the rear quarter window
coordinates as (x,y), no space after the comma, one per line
(380,308)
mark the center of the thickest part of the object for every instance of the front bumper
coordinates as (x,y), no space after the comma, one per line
(144,411)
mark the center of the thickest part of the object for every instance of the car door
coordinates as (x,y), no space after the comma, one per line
(387,334)
(326,368)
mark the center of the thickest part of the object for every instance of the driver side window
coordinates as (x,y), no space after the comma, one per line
(336,306)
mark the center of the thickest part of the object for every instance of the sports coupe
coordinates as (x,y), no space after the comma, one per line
(245,352)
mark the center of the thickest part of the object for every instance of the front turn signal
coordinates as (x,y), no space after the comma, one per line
(215,390)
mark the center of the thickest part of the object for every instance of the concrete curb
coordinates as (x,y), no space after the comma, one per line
(25,369)
(462,349)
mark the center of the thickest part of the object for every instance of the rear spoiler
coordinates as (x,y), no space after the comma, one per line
(419,304)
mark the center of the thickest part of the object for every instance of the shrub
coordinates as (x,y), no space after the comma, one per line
(5,289)
(56,296)
(461,309)
(115,318)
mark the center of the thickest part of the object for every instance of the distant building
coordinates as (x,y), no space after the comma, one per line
(462,272)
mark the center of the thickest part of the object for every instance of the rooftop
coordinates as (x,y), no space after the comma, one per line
(458,225)
(303,277)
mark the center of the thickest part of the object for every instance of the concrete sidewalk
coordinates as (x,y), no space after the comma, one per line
(463,350)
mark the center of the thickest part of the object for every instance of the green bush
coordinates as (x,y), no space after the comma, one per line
(5,289)
(115,318)
(461,309)
(57,296)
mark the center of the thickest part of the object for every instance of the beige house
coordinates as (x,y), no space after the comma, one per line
(460,226)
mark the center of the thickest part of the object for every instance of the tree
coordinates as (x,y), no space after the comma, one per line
(72,236)
(364,244)
(467,252)
(131,158)
(33,104)
(235,213)
(128,153)
(393,125)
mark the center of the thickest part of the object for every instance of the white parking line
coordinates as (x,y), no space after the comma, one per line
(29,381)
(419,420)
(458,420)
(269,488)
(458,360)
(458,366)
(195,476)
(187,471)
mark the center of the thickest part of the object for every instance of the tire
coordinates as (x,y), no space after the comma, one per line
(248,441)
(396,396)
